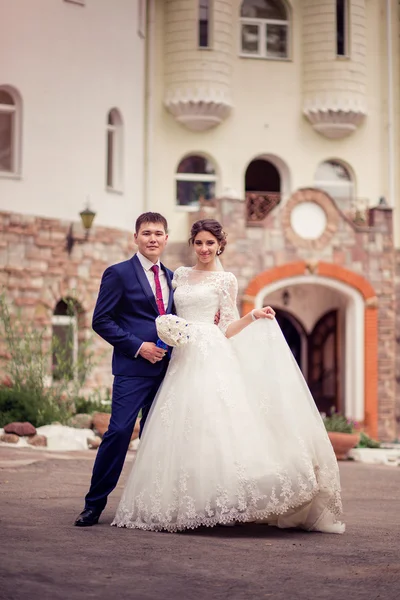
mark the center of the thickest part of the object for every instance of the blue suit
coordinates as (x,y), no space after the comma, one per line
(125,316)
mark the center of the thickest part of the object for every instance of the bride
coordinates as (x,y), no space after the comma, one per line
(233,434)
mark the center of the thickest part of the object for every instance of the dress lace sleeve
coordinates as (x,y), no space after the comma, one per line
(175,279)
(228,298)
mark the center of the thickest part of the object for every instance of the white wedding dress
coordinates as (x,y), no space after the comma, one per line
(233,433)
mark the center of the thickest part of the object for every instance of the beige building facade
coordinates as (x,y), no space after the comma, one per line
(279,118)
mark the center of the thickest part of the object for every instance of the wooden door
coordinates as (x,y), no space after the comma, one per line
(323,362)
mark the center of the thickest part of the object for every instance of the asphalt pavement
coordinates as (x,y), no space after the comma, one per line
(43,557)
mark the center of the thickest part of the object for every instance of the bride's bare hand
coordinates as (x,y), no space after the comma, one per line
(264,313)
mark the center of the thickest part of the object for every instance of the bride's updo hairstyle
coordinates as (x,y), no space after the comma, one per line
(211,226)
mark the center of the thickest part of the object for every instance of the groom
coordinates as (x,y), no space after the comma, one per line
(132,294)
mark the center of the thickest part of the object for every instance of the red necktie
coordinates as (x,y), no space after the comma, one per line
(159,296)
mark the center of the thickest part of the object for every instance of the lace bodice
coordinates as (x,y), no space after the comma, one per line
(200,294)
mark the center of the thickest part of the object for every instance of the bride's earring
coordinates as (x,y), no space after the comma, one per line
(218,252)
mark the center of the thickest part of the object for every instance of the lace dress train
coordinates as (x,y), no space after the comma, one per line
(233,434)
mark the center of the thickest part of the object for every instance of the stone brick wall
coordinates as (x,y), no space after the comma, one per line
(36,272)
(397,330)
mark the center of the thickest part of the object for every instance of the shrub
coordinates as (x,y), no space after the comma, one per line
(25,396)
(367,442)
(23,405)
(338,423)
(96,402)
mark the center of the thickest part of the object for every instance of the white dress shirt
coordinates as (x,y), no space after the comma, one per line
(147,264)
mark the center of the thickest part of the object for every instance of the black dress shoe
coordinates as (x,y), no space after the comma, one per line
(87,518)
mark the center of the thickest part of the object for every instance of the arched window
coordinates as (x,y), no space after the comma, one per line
(64,340)
(114,166)
(336,180)
(10,110)
(262,176)
(195,180)
(263,187)
(264,29)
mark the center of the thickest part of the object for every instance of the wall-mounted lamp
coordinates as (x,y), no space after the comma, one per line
(87,217)
(285,297)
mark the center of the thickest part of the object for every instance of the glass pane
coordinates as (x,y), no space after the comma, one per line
(196,165)
(341,27)
(203,23)
(110,159)
(250,38)
(65,309)
(61,309)
(338,192)
(277,41)
(63,352)
(188,193)
(6,98)
(331,170)
(6,134)
(263,9)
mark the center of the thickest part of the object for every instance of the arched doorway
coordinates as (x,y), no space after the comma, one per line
(327,317)
(357,327)
(318,354)
(295,335)
(262,189)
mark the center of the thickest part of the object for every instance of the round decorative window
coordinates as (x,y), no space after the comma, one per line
(308,220)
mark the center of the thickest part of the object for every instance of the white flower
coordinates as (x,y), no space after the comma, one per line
(173,330)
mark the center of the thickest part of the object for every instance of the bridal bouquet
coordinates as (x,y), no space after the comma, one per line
(173,330)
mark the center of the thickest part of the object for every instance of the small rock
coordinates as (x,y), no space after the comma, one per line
(37,440)
(81,421)
(9,438)
(101,422)
(20,429)
(94,443)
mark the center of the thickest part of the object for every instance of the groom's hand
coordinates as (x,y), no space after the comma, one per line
(151,352)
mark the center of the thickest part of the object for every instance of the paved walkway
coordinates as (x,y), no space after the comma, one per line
(43,557)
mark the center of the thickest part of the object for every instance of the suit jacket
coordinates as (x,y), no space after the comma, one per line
(125,316)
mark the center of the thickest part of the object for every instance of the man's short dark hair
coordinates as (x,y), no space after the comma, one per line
(151,217)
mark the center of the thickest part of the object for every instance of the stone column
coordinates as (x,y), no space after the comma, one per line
(334,87)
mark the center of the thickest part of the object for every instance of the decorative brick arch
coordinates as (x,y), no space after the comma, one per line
(355,281)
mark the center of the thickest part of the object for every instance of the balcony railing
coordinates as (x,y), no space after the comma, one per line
(259,205)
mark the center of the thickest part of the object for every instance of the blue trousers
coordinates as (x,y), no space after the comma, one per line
(129,396)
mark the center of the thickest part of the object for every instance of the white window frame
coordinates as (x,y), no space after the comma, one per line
(262,38)
(67,321)
(194,177)
(15,111)
(116,131)
(329,184)
(142,18)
